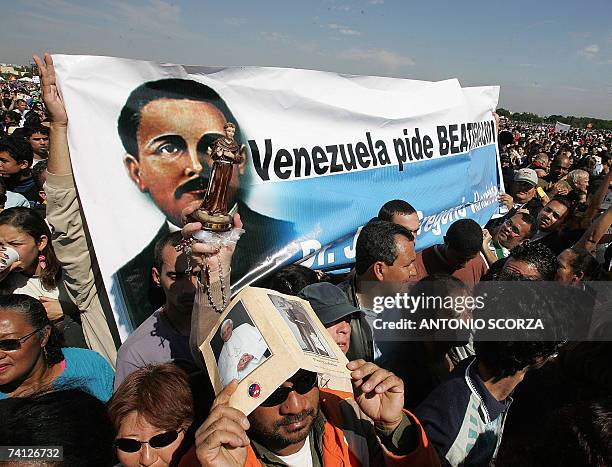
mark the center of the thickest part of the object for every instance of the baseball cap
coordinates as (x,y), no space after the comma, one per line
(328,302)
(526,175)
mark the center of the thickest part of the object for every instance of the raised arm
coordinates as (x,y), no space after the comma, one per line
(213,288)
(70,241)
(596,231)
(59,156)
(598,198)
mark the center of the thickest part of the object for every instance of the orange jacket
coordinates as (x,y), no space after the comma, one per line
(348,440)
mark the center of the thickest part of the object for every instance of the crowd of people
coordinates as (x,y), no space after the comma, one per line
(441,399)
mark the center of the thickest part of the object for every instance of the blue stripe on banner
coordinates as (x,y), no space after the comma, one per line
(326,209)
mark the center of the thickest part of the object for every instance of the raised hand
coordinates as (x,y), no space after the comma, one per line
(203,251)
(51,97)
(379,393)
(506,200)
(222,440)
(486,238)
(244,361)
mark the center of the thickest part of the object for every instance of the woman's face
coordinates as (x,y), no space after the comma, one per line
(136,427)
(27,247)
(16,365)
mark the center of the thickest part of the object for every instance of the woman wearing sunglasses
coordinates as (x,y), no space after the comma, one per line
(37,272)
(152,411)
(32,358)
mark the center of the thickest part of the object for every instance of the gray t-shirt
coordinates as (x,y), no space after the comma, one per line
(154,341)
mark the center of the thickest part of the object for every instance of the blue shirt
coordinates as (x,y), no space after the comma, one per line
(15,199)
(86,370)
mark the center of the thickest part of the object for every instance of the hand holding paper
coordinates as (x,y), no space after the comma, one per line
(379,393)
(506,200)
(222,439)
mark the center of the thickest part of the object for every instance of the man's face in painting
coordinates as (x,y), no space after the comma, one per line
(172,163)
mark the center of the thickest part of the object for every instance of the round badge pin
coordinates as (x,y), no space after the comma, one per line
(254,390)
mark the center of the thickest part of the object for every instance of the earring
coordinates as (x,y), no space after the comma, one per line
(42,261)
(45,354)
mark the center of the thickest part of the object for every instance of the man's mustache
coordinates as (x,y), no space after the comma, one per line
(289,419)
(195,184)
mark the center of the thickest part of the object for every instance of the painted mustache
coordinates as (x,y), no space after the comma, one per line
(195,184)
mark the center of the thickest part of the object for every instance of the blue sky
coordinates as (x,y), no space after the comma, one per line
(549,57)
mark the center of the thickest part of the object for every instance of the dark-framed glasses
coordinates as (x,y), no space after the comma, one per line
(302,384)
(513,228)
(11,345)
(158,441)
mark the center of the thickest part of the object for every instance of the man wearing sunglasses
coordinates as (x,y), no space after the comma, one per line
(513,232)
(302,425)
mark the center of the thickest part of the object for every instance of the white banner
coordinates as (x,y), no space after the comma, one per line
(324,152)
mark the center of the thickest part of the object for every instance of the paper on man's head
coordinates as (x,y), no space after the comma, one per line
(262,339)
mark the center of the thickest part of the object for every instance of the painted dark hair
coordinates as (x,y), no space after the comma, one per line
(179,89)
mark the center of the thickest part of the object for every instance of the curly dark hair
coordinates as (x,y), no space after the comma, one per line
(537,255)
(576,435)
(70,418)
(291,279)
(35,313)
(376,242)
(504,357)
(465,236)
(181,89)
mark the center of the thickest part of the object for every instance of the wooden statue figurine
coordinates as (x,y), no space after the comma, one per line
(225,153)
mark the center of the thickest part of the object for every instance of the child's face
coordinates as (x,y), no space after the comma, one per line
(9,166)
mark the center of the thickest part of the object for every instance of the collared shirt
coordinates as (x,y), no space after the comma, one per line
(499,250)
(462,418)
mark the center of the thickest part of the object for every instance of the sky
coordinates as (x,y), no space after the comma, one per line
(549,57)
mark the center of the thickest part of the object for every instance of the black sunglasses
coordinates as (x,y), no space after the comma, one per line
(302,384)
(158,441)
(11,345)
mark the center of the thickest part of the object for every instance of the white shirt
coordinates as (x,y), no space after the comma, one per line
(302,458)
(245,339)
(16,282)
